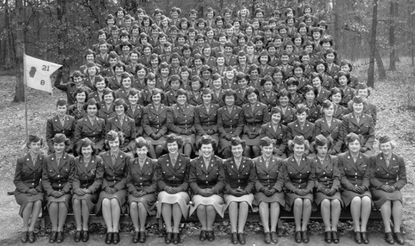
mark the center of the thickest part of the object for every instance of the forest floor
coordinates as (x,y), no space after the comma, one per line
(395,101)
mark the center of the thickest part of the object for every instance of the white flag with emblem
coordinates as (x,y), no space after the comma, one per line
(37,73)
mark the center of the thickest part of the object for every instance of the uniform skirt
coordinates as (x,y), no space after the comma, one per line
(23,199)
(348,196)
(319,197)
(181,198)
(290,198)
(249,198)
(119,195)
(223,143)
(91,200)
(251,141)
(381,196)
(160,141)
(65,199)
(277,197)
(190,139)
(148,201)
(215,200)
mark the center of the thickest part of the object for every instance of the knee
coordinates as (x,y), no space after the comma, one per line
(298,202)
(357,200)
(133,206)
(29,205)
(397,204)
(84,203)
(325,204)
(76,203)
(307,203)
(140,205)
(233,206)
(62,205)
(106,202)
(335,203)
(114,202)
(243,205)
(263,205)
(275,205)
(210,208)
(366,201)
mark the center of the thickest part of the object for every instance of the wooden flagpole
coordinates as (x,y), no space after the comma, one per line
(25,97)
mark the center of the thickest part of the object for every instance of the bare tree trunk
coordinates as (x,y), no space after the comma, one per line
(372,44)
(20,46)
(411,24)
(393,15)
(381,67)
(336,27)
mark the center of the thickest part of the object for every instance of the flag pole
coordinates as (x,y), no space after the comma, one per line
(25,97)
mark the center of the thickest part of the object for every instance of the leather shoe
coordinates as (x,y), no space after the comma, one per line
(108,238)
(142,237)
(234,238)
(365,240)
(389,238)
(168,238)
(297,237)
(274,237)
(116,238)
(85,236)
(202,235)
(136,237)
(335,236)
(25,237)
(176,237)
(305,237)
(210,235)
(77,237)
(267,237)
(399,238)
(52,237)
(32,237)
(241,238)
(327,237)
(358,237)
(59,237)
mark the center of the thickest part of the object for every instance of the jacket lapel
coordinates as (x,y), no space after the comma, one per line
(53,163)
(382,162)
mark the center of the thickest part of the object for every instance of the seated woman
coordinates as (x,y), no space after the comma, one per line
(29,194)
(57,177)
(287,112)
(355,177)
(173,199)
(142,186)
(299,179)
(77,110)
(277,132)
(327,184)
(155,123)
(91,127)
(207,180)
(389,177)
(254,114)
(180,120)
(301,127)
(206,117)
(269,194)
(89,171)
(240,179)
(335,97)
(106,109)
(112,197)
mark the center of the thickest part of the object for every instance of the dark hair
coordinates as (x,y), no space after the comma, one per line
(156,91)
(81,90)
(120,102)
(34,139)
(206,139)
(235,141)
(61,102)
(141,142)
(171,138)
(85,142)
(251,90)
(91,101)
(301,108)
(228,93)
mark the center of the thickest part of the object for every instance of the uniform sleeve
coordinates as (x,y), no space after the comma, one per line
(336,174)
(240,125)
(58,82)
(161,183)
(185,185)
(45,178)
(68,186)
(221,179)
(49,132)
(287,180)
(146,123)
(197,124)
(76,182)
(78,131)
(20,185)
(121,184)
(193,177)
(99,175)
(283,145)
(311,178)
(280,179)
(343,180)
(153,187)
(401,175)
(130,181)
(170,122)
(252,179)
(371,135)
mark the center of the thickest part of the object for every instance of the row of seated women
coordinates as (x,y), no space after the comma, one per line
(113,183)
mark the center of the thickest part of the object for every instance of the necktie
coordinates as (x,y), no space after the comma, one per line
(387,162)
(267,164)
(113,158)
(58,161)
(357,119)
(173,161)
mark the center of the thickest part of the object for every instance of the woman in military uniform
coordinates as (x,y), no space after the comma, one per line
(29,194)
(142,186)
(106,109)
(61,123)
(269,194)
(77,110)
(288,113)
(355,176)
(135,109)
(230,122)
(268,96)
(206,117)
(91,126)
(299,179)
(389,177)
(240,177)
(113,195)
(277,132)
(89,171)
(254,114)
(57,177)
(301,126)
(180,120)
(327,184)
(155,123)
(207,180)
(173,184)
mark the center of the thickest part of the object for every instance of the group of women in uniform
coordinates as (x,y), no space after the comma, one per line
(271,119)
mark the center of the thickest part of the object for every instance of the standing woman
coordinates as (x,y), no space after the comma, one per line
(87,181)
(255,114)
(155,123)
(28,193)
(240,177)
(180,120)
(269,195)
(207,190)
(112,197)
(142,186)
(355,176)
(327,185)
(299,182)
(389,177)
(57,177)
(173,184)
